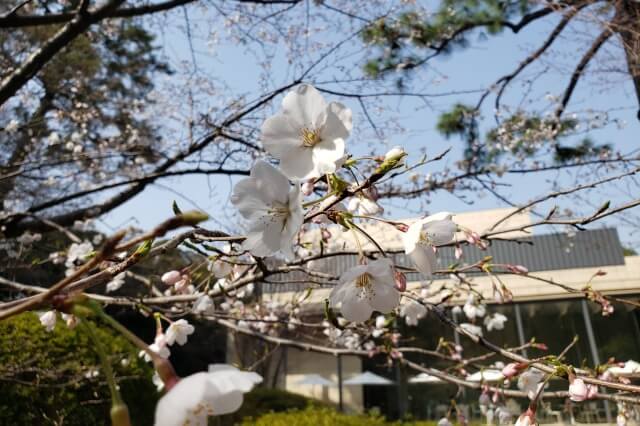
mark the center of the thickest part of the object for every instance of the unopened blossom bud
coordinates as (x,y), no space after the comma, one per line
(402,227)
(395,154)
(517,269)
(592,391)
(307,187)
(392,159)
(458,251)
(396,354)
(578,390)
(120,415)
(171,277)
(473,238)
(528,418)
(326,234)
(507,294)
(400,281)
(497,296)
(541,346)
(511,369)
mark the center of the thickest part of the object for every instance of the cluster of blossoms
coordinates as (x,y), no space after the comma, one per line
(308,138)
(49,319)
(177,332)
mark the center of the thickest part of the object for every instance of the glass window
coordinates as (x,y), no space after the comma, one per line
(616,335)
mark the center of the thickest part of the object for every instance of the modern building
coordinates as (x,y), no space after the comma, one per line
(539,310)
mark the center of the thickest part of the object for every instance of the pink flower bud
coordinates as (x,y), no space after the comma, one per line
(326,234)
(458,251)
(402,227)
(171,277)
(517,269)
(495,396)
(400,281)
(528,418)
(182,284)
(395,354)
(592,390)
(511,369)
(578,390)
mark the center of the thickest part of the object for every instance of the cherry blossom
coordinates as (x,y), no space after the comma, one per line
(194,398)
(424,235)
(48,320)
(159,346)
(495,321)
(412,312)
(116,282)
(530,382)
(308,136)
(471,329)
(363,205)
(203,304)
(78,252)
(171,277)
(526,420)
(472,309)
(178,332)
(364,289)
(273,208)
(444,422)
(70,320)
(220,268)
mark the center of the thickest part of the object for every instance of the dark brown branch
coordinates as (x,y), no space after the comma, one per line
(577,73)
(17,21)
(38,59)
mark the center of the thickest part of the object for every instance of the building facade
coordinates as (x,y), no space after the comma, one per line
(539,310)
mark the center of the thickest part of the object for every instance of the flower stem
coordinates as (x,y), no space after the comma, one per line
(89,327)
(126,333)
(317,200)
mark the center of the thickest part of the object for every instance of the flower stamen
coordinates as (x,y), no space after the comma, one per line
(364,281)
(310,137)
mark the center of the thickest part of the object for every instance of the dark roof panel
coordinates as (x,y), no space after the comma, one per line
(592,248)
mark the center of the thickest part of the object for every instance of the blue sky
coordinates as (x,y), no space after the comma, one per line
(475,68)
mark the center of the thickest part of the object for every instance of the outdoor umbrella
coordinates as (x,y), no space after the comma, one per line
(424,378)
(368,378)
(314,379)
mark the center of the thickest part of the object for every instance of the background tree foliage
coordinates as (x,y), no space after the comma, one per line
(54,377)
